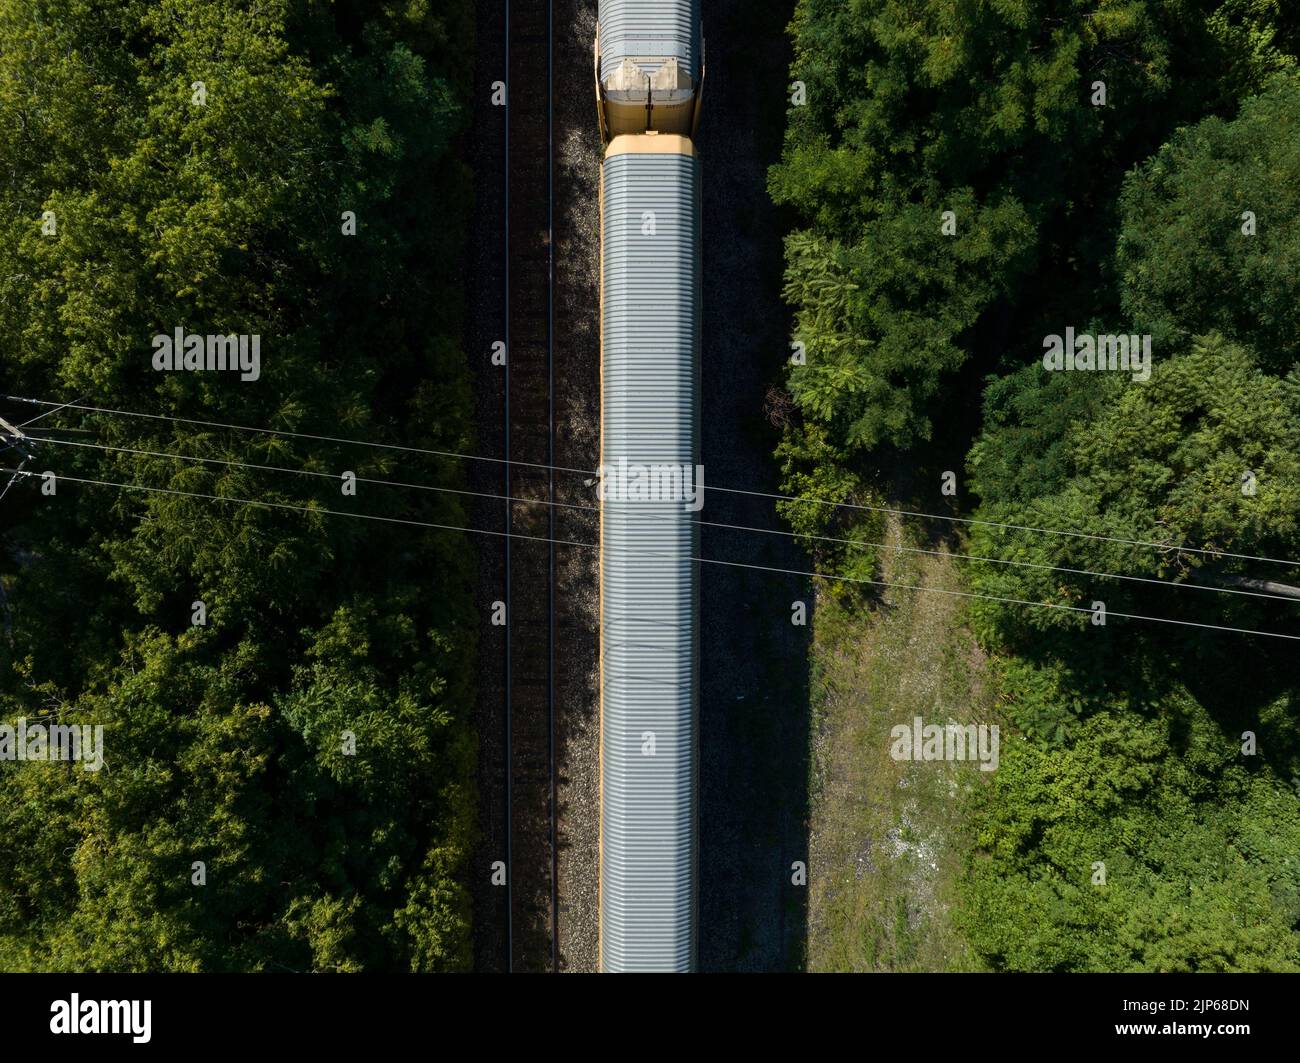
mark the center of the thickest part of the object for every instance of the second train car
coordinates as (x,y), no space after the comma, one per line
(649,73)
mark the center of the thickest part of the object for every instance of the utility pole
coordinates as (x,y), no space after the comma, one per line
(16,439)
(1265,586)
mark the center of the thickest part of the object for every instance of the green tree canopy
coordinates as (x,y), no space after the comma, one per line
(1160,461)
(198,160)
(1145,845)
(1210,235)
(906,109)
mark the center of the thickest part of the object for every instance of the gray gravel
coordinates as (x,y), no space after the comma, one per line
(577,339)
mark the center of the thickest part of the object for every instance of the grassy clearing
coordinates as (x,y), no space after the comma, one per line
(888,838)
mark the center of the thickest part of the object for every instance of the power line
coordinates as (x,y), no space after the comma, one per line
(1166,547)
(550,484)
(509,515)
(1004,561)
(1012,527)
(701,523)
(287,434)
(13,479)
(47,413)
(646,553)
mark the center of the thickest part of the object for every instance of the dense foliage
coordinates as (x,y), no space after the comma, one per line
(196,161)
(1170,209)
(912,108)
(1215,180)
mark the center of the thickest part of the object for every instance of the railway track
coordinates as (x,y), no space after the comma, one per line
(531,938)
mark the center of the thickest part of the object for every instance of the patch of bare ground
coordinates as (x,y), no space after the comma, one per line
(888,838)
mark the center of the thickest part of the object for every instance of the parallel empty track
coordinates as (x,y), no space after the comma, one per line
(529,438)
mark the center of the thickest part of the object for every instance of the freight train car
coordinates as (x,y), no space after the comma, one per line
(648,578)
(649,588)
(649,66)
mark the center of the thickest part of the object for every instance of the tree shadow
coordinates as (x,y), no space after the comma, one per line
(754,691)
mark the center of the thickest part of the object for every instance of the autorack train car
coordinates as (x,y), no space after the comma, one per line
(649,71)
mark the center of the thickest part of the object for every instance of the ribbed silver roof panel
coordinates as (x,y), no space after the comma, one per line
(649,591)
(649,28)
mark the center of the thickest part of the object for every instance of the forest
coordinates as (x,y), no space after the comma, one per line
(209,582)
(283,690)
(969,181)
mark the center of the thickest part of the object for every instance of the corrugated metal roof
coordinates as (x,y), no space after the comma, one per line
(636,29)
(649,587)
